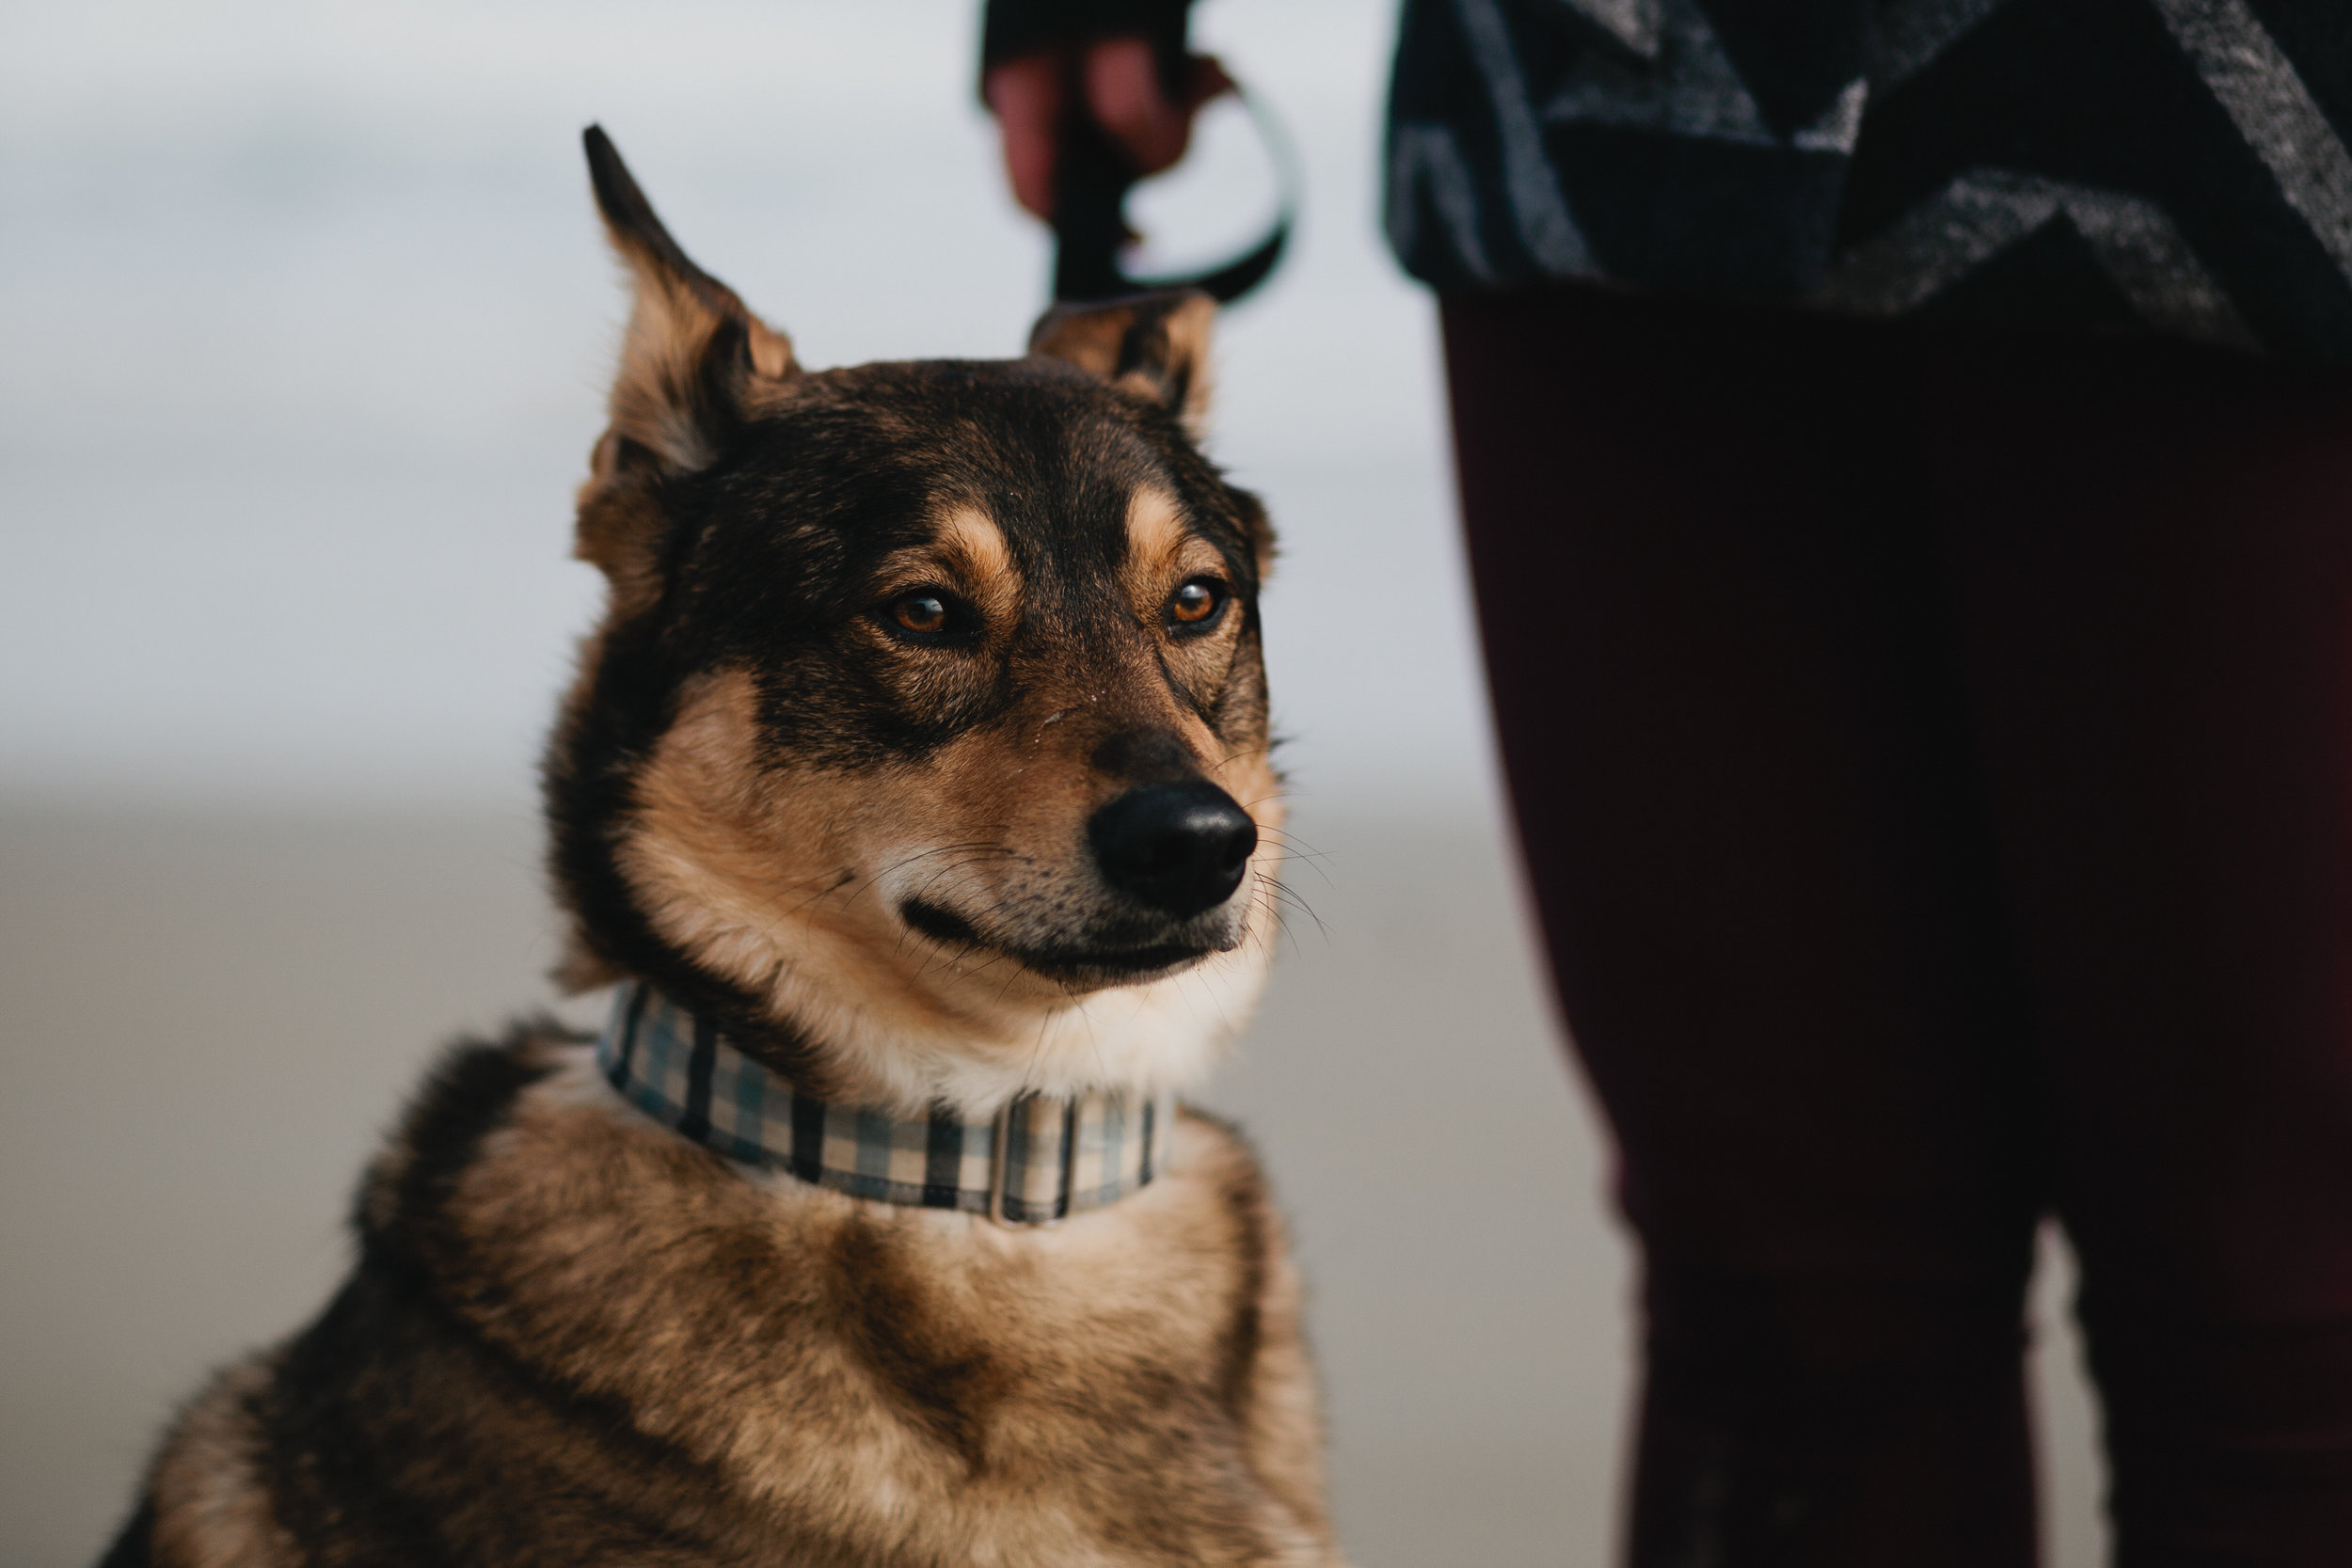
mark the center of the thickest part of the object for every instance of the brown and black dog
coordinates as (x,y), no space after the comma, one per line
(922,751)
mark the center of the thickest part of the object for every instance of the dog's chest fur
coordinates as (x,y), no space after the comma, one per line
(575,1337)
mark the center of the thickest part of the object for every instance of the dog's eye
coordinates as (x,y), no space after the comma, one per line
(921,612)
(1197,605)
(928,615)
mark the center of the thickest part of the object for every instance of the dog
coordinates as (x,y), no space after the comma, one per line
(913,794)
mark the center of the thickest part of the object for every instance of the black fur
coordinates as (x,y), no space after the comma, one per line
(134,1548)
(396,1429)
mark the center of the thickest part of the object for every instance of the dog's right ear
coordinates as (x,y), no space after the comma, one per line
(1155,345)
(693,360)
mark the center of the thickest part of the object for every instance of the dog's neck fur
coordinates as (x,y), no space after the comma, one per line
(1163,1036)
(976,1050)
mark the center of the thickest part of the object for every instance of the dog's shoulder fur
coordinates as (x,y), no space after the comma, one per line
(573,1337)
(895,659)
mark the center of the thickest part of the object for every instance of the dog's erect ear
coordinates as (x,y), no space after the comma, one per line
(694,357)
(1155,345)
(694,361)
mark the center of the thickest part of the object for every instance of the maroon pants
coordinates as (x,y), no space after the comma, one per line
(1932,756)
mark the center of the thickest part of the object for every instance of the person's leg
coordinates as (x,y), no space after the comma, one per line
(1733,733)
(2154,558)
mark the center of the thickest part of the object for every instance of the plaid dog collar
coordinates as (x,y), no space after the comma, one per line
(1036,1161)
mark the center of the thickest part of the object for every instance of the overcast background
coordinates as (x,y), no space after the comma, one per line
(304,325)
(306,321)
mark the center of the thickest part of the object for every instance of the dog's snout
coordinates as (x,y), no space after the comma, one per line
(1178,848)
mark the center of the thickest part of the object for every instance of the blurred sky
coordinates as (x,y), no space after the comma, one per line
(305,320)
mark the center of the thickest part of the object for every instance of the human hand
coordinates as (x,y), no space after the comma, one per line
(1117,82)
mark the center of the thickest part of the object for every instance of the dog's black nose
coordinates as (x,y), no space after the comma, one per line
(1179,847)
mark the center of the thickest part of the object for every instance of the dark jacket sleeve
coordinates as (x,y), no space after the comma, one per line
(1010,28)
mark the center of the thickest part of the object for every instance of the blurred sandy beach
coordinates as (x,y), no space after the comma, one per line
(213,1014)
(238,1004)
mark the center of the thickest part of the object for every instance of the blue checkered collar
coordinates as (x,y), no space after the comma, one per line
(1037,1160)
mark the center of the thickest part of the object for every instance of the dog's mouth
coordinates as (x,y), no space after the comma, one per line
(1069,961)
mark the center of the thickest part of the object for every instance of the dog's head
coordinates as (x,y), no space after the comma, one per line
(924,742)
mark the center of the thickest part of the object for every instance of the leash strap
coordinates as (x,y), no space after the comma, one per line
(1093,179)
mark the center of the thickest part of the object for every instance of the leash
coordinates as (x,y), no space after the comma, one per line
(1092,177)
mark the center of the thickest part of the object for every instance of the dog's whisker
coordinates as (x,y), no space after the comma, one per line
(1309,857)
(1293,845)
(1273,912)
(841,880)
(1282,895)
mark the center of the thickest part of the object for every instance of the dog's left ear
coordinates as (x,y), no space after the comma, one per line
(1155,345)
(693,362)
(694,356)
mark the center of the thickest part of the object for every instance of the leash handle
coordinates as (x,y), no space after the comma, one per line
(1092,177)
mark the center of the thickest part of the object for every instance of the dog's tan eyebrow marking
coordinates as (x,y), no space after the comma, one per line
(969,549)
(1156,527)
(1161,549)
(970,539)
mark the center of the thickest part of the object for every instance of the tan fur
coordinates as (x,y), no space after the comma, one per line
(968,555)
(1160,550)
(1169,335)
(211,1507)
(972,547)
(672,319)
(1027,1345)
(618,526)
(784,884)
